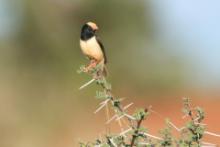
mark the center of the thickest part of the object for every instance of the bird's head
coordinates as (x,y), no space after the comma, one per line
(88,30)
(93,26)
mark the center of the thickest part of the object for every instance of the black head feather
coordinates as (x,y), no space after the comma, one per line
(87,32)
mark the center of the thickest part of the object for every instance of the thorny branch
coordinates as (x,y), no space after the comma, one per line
(120,111)
(100,79)
(135,135)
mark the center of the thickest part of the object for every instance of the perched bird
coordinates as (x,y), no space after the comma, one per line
(91,45)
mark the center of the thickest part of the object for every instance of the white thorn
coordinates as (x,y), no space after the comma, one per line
(200,124)
(152,136)
(174,126)
(129,116)
(126,131)
(212,134)
(207,143)
(103,105)
(113,143)
(126,107)
(120,117)
(103,102)
(184,116)
(143,143)
(86,84)
(111,119)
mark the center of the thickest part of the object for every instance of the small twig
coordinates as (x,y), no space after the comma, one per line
(134,136)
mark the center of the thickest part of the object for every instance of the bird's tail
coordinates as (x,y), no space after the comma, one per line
(105,71)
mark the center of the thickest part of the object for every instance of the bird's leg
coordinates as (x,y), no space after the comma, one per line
(91,65)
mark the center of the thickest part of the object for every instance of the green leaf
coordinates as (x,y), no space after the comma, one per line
(81,69)
(200,114)
(140,114)
(101,95)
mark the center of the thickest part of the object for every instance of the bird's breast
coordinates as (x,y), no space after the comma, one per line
(92,49)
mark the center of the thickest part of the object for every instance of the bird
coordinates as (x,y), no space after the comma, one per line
(92,46)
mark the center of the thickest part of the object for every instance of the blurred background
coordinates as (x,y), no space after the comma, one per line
(158,52)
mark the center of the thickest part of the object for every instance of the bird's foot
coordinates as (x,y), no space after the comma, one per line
(91,65)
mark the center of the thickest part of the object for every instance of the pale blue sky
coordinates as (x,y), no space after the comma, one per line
(10,17)
(194,25)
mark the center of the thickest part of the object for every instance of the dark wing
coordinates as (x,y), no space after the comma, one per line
(103,49)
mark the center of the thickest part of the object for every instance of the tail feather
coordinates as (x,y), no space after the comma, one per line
(105,71)
(104,68)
